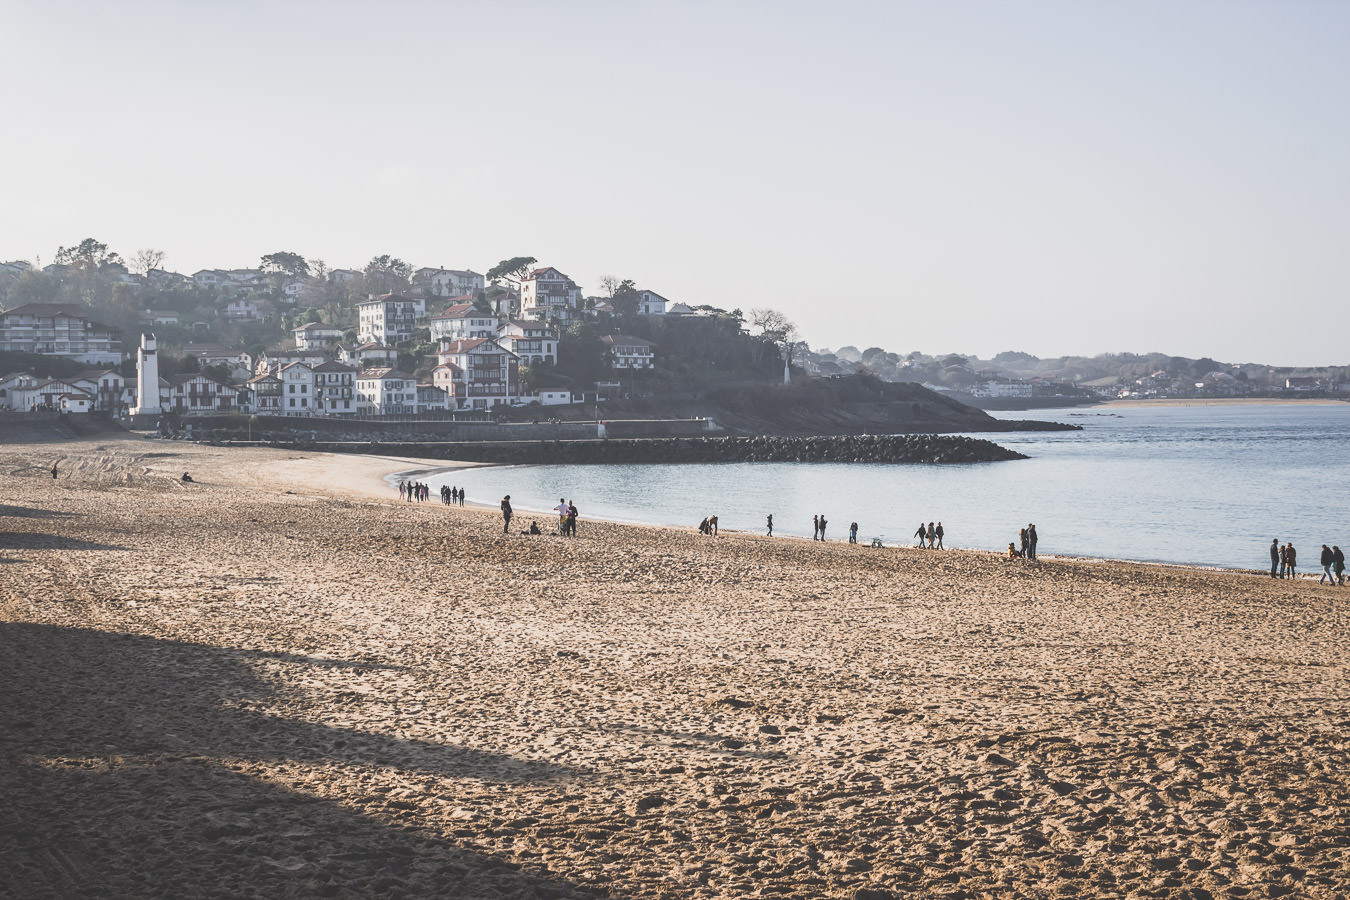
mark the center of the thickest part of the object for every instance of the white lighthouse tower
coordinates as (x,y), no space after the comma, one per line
(147,378)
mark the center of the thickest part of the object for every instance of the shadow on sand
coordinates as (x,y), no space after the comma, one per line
(128,767)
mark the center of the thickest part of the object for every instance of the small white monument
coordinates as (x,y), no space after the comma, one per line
(147,378)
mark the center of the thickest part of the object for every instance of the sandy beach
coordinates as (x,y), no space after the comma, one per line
(280,681)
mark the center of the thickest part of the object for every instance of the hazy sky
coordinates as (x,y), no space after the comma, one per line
(1057,178)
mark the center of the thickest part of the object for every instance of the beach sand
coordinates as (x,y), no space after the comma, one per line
(280,681)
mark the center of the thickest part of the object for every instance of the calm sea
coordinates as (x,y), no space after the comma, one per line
(1204,485)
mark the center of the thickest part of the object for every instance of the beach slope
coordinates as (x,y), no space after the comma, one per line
(281,681)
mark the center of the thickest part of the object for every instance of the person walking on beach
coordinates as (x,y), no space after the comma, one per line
(1326,560)
(1290,560)
(815,528)
(768,520)
(822,528)
(1022,542)
(53,471)
(921,533)
(561,510)
(1338,564)
(931,535)
(1274,557)
(853,532)
(938,531)
(1031,540)
(506,514)
(570,526)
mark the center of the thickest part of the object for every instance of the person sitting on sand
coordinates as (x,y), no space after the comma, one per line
(1012,551)
(534,528)
(187,478)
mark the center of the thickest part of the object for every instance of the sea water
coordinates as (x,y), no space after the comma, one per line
(1203,485)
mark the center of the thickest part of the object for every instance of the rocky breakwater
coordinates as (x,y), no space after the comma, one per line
(911,448)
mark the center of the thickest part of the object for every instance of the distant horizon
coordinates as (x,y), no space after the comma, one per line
(1043,175)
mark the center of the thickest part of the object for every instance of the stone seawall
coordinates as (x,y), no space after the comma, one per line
(914,448)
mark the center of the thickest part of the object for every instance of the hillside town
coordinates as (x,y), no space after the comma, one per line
(294,337)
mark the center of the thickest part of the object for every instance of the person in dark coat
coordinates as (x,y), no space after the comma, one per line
(506,514)
(1275,558)
(1326,560)
(1338,564)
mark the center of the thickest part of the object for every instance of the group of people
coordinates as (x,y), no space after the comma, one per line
(1025,548)
(709,525)
(929,536)
(1284,562)
(567,517)
(818,534)
(451,495)
(413,490)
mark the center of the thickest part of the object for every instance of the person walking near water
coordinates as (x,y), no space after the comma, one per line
(938,531)
(822,528)
(506,514)
(1290,560)
(815,528)
(853,532)
(921,533)
(931,535)
(1022,542)
(1338,564)
(561,510)
(1326,560)
(1274,557)
(768,520)
(1031,540)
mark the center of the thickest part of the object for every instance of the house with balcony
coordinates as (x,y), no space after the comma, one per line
(627,352)
(533,342)
(335,389)
(462,321)
(104,387)
(547,295)
(199,394)
(239,310)
(264,394)
(431,398)
(315,336)
(239,363)
(387,319)
(277,359)
(479,373)
(385,391)
(60,329)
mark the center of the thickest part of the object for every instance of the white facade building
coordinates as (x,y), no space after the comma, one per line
(628,352)
(386,391)
(60,329)
(548,295)
(463,322)
(388,319)
(297,389)
(533,342)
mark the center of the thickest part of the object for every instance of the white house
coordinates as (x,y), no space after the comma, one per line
(628,352)
(1002,389)
(60,329)
(77,402)
(463,322)
(15,382)
(275,360)
(160,317)
(369,355)
(533,342)
(448,282)
(238,362)
(315,336)
(479,373)
(242,311)
(335,389)
(650,303)
(387,319)
(297,389)
(385,391)
(104,387)
(342,276)
(554,397)
(547,294)
(200,394)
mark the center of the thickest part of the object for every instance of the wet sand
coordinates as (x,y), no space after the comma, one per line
(281,681)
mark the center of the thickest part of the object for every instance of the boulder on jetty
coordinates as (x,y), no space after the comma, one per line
(908,448)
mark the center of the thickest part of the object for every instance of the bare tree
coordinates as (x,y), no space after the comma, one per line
(146,259)
(609,284)
(777,328)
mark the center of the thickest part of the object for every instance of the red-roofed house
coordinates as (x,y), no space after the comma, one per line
(484,373)
(548,295)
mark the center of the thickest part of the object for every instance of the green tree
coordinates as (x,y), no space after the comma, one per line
(285,263)
(513,269)
(625,301)
(89,254)
(387,274)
